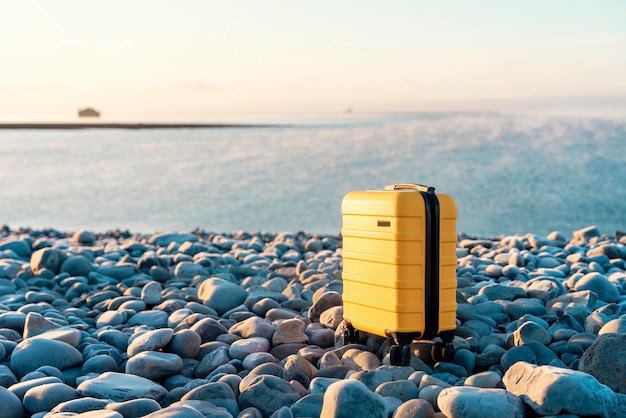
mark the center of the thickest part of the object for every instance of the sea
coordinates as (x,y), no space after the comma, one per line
(509,173)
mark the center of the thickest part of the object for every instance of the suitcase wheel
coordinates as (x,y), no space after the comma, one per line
(442,352)
(400,355)
(350,334)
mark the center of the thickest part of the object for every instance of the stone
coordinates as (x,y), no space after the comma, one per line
(185,343)
(99,364)
(522,306)
(515,354)
(120,387)
(163,239)
(255,359)
(209,329)
(487,380)
(80,405)
(151,293)
(253,327)
(467,402)
(242,348)
(20,247)
(45,397)
(290,331)
(211,361)
(7,377)
(189,270)
(308,406)
(134,408)
(33,353)
(268,394)
(35,324)
(605,359)
(502,292)
(531,331)
(221,294)
(372,378)
(332,317)
(153,319)
(109,319)
(176,411)
(83,237)
(152,340)
(415,408)
(20,389)
(544,288)
(154,365)
(360,360)
(299,369)
(465,358)
(218,393)
(586,233)
(67,335)
(400,389)
(551,390)
(119,271)
(77,265)
(11,404)
(615,326)
(600,285)
(351,398)
(325,301)
(47,259)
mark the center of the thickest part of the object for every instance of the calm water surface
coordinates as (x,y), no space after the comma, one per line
(509,174)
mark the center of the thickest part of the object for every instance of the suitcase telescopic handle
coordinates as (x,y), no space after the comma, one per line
(411,186)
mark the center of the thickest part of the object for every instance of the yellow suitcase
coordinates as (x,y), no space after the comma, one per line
(399,267)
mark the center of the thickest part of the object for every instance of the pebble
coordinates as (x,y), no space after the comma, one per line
(156,325)
(350,398)
(268,394)
(487,380)
(467,401)
(600,285)
(217,393)
(120,387)
(33,353)
(154,365)
(149,341)
(552,390)
(221,295)
(11,405)
(290,331)
(45,397)
(605,359)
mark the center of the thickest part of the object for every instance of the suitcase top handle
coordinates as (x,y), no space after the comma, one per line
(411,186)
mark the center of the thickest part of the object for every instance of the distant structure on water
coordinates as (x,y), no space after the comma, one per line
(88,112)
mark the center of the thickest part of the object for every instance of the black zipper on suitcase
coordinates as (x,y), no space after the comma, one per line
(431,270)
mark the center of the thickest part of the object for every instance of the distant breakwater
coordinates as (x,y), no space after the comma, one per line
(130,125)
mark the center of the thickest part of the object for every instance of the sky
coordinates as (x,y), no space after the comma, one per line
(160,60)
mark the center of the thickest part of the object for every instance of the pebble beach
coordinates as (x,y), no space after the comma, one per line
(249,324)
